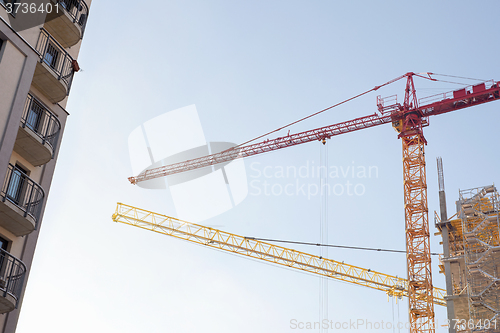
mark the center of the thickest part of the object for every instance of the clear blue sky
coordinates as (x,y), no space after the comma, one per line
(250,67)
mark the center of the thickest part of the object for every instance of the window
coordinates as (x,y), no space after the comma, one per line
(67,4)
(3,261)
(3,243)
(16,187)
(82,19)
(34,117)
(5,2)
(51,56)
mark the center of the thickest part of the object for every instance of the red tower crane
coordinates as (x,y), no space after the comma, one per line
(408,119)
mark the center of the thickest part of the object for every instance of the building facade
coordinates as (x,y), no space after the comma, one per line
(39,45)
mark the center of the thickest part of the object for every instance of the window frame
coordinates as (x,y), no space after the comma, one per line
(19,187)
(54,54)
(34,118)
(5,2)
(3,263)
(2,42)
(5,243)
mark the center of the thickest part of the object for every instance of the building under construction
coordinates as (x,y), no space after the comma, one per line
(471,259)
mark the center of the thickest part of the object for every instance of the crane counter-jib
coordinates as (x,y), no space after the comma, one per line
(256,249)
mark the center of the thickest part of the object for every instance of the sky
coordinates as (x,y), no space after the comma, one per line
(249,68)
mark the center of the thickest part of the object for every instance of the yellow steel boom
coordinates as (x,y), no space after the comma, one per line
(392,285)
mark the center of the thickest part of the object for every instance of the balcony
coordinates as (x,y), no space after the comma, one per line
(38,133)
(66,22)
(54,72)
(21,202)
(12,273)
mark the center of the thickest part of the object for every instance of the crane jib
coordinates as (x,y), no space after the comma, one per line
(257,249)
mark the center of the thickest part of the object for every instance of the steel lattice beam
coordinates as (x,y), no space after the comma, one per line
(217,239)
(264,147)
(417,236)
(418,253)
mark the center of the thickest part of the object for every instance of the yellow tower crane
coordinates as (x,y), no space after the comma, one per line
(217,239)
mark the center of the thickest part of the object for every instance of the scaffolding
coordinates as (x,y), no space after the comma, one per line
(471,259)
(478,211)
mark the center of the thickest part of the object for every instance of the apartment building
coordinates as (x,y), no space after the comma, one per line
(39,45)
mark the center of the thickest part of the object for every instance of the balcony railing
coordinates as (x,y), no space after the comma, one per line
(77,10)
(23,191)
(12,273)
(41,121)
(56,58)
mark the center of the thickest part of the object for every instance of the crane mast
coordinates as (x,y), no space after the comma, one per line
(217,239)
(418,254)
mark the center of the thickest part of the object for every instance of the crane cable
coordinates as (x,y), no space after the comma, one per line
(323,229)
(316,113)
(457,77)
(393,324)
(331,245)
